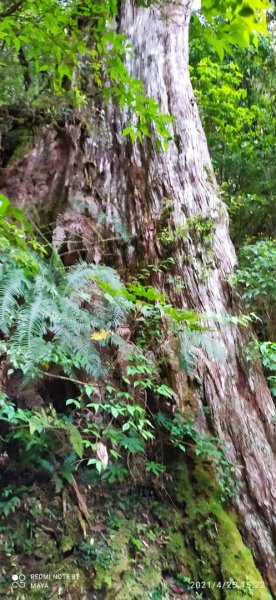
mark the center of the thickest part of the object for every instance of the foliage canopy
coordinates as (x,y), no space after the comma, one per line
(55,54)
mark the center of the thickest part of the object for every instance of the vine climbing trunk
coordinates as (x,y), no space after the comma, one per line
(169,203)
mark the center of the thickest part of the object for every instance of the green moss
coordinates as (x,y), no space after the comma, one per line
(141,583)
(66,544)
(150,575)
(198,539)
(236,560)
(76,585)
(172,517)
(131,589)
(112,561)
(176,546)
(45,546)
(119,575)
(213,549)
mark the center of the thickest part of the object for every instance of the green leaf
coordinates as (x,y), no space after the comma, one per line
(75,440)
(4,205)
(32,427)
(126,426)
(74,401)
(66,473)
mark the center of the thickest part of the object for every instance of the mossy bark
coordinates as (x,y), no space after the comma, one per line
(211,544)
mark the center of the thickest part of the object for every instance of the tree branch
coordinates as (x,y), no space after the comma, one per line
(10,11)
(25,68)
(77,381)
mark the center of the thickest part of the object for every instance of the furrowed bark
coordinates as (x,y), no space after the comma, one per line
(153,193)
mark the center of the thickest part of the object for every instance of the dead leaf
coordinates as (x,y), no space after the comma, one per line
(102,454)
(99,335)
(81,500)
(97,528)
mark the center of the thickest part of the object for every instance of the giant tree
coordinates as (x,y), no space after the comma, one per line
(93,163)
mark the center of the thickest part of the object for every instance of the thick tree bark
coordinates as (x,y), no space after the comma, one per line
(153,194)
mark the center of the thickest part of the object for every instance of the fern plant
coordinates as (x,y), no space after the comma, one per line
(192,342)
(74,318)
(50,316)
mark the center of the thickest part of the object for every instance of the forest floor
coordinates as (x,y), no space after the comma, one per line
(129,547)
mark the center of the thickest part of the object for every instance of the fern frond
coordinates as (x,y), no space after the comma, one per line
(116,313)
(107,275)
(127,348)
(30,359)
(43,282)
(30,322)
(193,341)
(82,351)
(79,276)
(76,319)
(13,286)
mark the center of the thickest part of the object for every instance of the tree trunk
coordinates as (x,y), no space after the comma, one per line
(164,200)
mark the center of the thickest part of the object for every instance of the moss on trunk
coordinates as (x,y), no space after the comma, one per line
(210,543)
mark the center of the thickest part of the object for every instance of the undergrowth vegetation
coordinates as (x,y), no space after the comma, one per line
(82,327)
